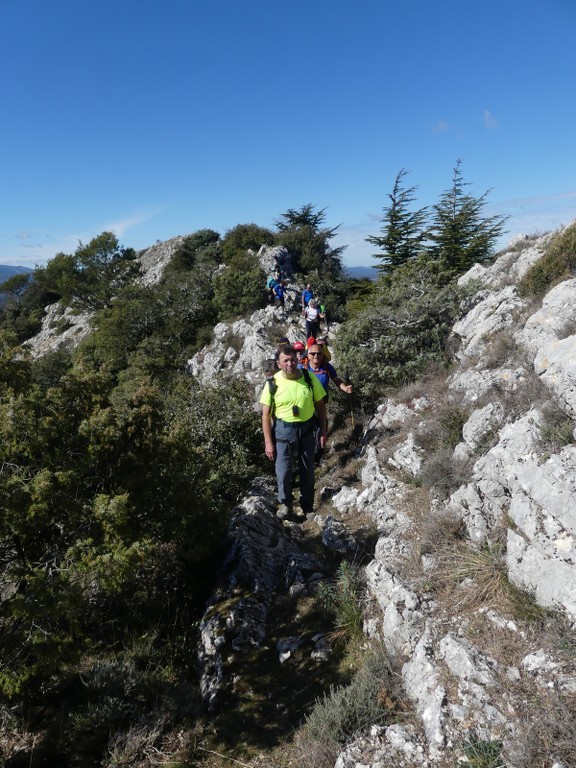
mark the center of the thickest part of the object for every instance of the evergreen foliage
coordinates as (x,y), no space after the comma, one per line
(119,472)
(202,246)
(92,276)
(557,264)
(460,236)
(243,238)
(403,230)
(400,329)
(240,289)
(303,233)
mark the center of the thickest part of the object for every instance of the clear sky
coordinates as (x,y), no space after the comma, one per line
(156,118)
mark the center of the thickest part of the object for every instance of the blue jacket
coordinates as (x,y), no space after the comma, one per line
(324,373)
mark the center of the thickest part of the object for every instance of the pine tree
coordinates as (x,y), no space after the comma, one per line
(403,230)
(460,236)
(303,233)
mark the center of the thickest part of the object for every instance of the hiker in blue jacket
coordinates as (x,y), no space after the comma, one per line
(307,294)
(325,373)
(279,294)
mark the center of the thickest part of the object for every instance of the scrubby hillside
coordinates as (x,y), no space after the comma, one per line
(465,480)
(155,610)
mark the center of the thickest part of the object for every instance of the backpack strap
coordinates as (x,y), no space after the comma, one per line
(306,373)
(272,386)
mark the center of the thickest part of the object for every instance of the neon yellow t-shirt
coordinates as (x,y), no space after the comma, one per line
(292,392)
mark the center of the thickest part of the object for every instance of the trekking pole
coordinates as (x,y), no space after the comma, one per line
(347,381)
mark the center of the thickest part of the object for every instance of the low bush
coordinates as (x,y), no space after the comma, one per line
(482,754)
(557,264)
(401,331)
(240,291)
(474,576)
(556,427)
(343,598)
(443,473)
(443,430)
(348,710)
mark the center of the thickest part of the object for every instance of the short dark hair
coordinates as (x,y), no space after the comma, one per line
(285,349)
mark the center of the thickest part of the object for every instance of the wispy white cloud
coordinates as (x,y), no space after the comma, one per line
(489,120)
(29,248)
(529,215)
(442,126)
(121,227)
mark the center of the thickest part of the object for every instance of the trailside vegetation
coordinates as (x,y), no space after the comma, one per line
(304,233)
(558,263)
(460,236)
(403,229)
(398,330)
(399,327)
(119,471)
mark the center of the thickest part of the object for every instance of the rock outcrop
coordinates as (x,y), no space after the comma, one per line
(446,564)
(65,328)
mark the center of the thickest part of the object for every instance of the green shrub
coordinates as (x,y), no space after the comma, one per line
(204,245)
(556,427)
(243,238)
(482,754)
(342,597)
(240,291)
(442,472)
(348,710)
(557,264)
(401,331)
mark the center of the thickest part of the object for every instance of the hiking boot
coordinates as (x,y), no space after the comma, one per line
(285,512)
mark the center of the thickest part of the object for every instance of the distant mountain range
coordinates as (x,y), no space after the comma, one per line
(370,272)
(7,270)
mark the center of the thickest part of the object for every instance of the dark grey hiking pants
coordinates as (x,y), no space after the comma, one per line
(295,448)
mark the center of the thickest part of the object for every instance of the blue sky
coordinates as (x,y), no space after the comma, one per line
(156,118)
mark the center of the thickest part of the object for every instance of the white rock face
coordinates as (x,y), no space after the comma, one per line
(153,260)
(555,363)
(555,320)
(520,495)
(495,313)
(522,252)
(61,329)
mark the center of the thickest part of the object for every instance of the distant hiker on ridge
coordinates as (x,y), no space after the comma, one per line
(307,294)
(312,317)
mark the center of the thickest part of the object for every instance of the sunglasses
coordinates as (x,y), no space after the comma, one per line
(314,354)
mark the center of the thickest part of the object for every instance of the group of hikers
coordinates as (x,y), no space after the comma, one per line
(294,415)
(313,312)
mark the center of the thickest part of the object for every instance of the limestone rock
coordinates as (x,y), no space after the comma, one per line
(62,328)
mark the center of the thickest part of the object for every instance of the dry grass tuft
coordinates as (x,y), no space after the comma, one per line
(549,728)
(501,351)
(146,745)
(469,577)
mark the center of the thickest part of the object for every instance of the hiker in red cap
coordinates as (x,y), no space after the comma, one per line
(300,350)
